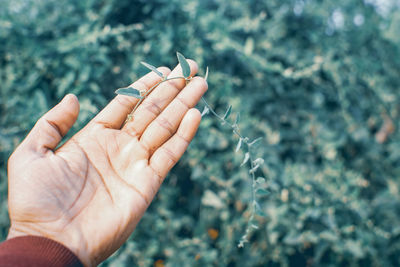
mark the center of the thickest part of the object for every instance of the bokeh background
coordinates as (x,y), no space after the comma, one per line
(318,80)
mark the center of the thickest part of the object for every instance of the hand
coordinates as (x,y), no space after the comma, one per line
(90,193)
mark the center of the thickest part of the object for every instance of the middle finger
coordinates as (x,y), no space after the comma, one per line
(157,100)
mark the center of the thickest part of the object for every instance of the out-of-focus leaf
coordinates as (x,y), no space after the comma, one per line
(246,158)
(259,211)
(239,144)
(237,119)
(255,141)
(262,192)
(260,180)
(228,112)
(254,169)
(212,200)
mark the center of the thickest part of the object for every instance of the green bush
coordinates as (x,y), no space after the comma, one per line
(318,80)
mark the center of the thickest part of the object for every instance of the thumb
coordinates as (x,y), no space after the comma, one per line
(52,126)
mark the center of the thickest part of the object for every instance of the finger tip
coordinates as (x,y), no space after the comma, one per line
(194,115)
(164,70)
(194,67)
(72,101)
(190,124)
(202,83)
(70,96)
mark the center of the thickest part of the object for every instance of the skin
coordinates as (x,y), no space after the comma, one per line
(90,193)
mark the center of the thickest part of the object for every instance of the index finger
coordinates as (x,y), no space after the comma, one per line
(115,113)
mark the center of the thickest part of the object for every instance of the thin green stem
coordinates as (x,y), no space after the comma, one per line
(130,116)
(234,127)
(250,225)
(253,188)
(211,109)
(253,208)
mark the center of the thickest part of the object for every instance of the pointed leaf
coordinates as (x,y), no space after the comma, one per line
(255,141)
(206,76)
(242,242)
(258,161)
(184,65)
(246,158)
(205,111)
(259,211)
(237,119)
(253,170)
(262,192)
(129,91)
(152,68)
(239,144)
(260,180)
(254,226)
(228,112)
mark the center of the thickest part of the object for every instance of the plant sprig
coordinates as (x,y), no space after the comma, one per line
(254,164)
(141,95)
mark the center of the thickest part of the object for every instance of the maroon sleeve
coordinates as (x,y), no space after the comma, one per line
(36,251)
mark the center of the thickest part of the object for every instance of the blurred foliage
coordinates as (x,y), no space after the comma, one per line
(318,80)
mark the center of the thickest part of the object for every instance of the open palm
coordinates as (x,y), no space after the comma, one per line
(90,193)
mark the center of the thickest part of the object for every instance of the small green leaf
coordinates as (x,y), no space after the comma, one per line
(262,192)
(184,65)
(239,144)
(258,161)
(254,226)
(228,112)
(129,91)
(260,180)
(206,76)
(246,158)
(152,68)
(205,111)
(237,119)
(253,170)
(258,210)
(243,240)
(255,141)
